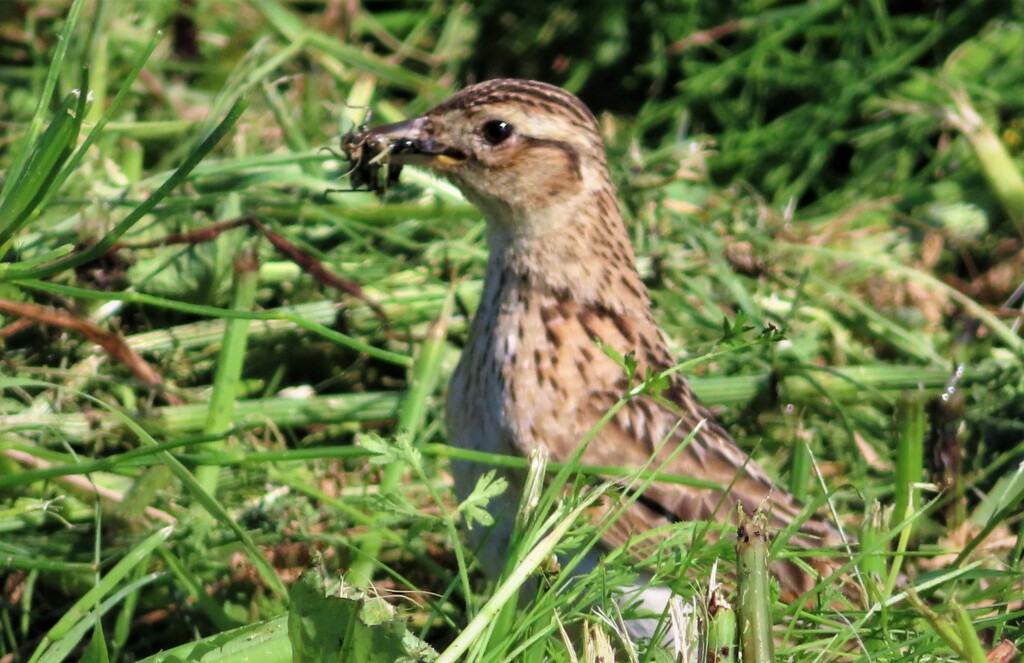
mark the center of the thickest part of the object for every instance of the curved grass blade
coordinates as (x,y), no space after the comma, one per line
(177,177)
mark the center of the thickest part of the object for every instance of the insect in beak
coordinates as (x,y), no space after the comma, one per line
(385,149)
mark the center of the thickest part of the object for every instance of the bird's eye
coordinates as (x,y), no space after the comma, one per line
(497,131)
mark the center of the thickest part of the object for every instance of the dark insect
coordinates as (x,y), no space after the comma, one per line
(368,158)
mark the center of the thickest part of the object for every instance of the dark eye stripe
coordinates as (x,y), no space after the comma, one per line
(570,152)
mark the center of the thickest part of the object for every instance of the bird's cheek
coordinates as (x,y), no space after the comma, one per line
(521,189)
(549,181)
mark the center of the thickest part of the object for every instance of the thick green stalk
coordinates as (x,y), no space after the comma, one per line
(959,634)
(753,591)
(423,380)
(228,377)
(1002,174)
(200,334)
(800,462)
(909,456)
(873,563)
(190,418)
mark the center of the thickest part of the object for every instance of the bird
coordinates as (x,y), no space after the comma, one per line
(562,303)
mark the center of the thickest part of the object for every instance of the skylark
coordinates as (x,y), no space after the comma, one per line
(561,282)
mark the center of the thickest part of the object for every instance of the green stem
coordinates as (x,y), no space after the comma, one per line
(800,463)
(753,595)
(226,381)
(1000,171)
(909,455)
(425,373)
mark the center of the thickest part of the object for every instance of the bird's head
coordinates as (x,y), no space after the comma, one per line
(517,149)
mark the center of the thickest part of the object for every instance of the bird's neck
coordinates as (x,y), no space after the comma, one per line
(579,249)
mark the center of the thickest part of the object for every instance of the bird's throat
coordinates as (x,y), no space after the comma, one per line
(581,250)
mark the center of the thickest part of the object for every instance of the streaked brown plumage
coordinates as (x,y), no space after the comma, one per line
(561,274)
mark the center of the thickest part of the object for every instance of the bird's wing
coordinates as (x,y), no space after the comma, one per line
(648,432)
(709,455)
(647,425)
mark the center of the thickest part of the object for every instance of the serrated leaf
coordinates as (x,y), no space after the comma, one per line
(627,362)
(391,509)
(383,451)
(655,383)
(474,507)
(409,453)
(772,334)
(732,332)
(396,450)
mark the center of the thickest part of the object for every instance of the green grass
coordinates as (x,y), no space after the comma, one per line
(846,173)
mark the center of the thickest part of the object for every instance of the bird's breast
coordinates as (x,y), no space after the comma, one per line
(531,356)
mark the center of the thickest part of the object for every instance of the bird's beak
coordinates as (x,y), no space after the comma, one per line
(413,142)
